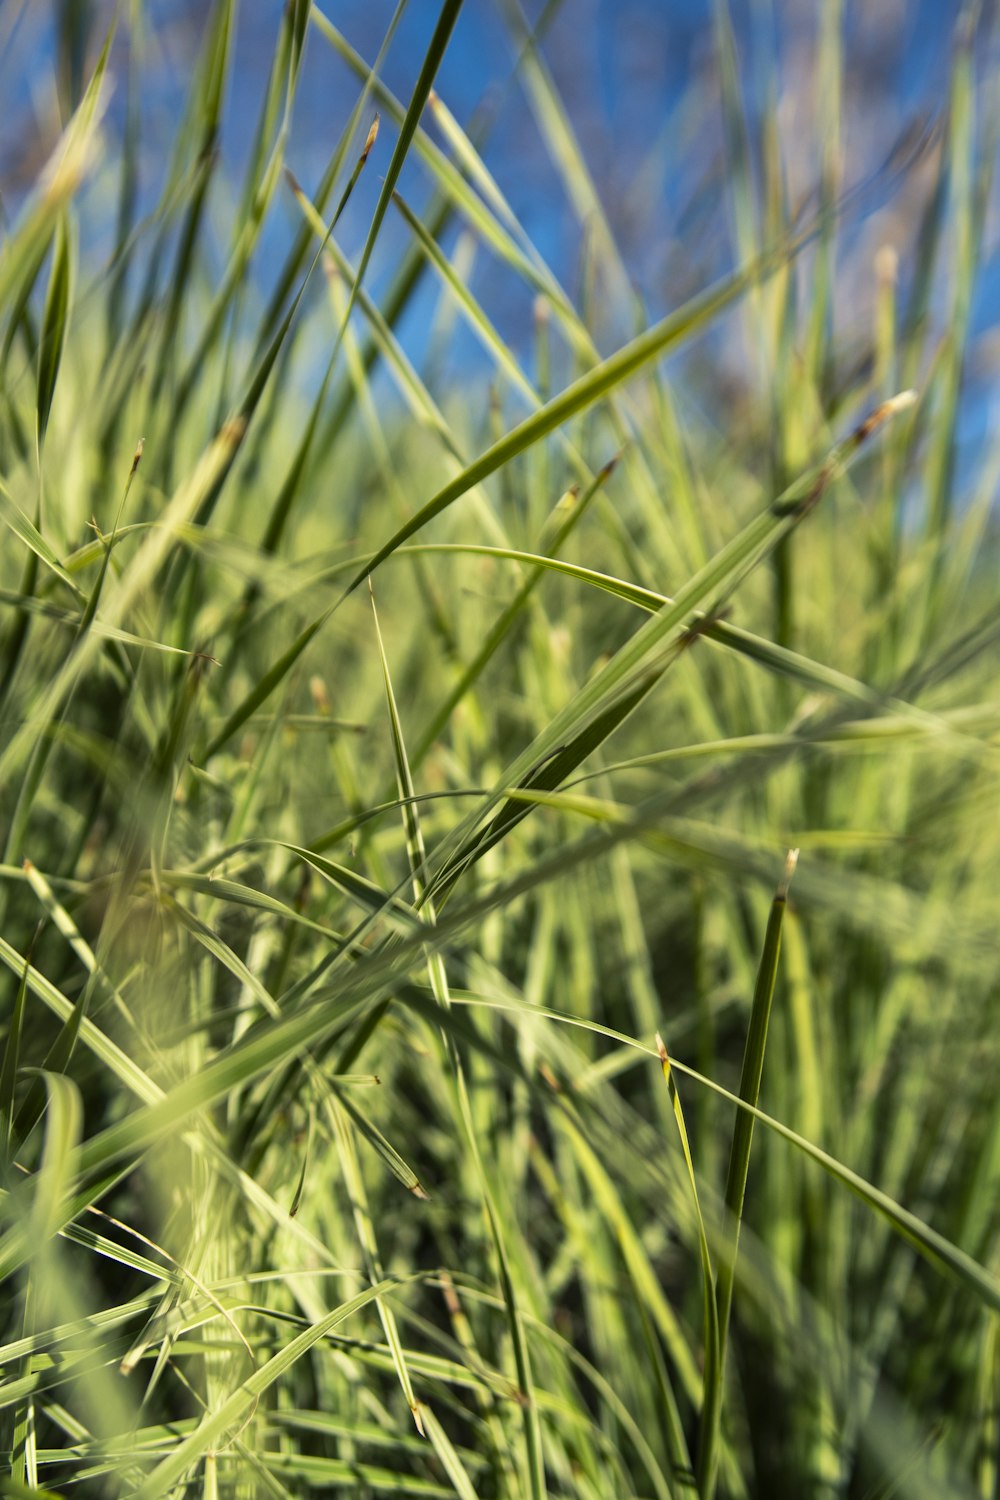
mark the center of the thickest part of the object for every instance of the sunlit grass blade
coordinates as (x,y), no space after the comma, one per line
(714,1349)
(8,1070)
(431,62)
(739,1163)
(54,321)
(243,1400)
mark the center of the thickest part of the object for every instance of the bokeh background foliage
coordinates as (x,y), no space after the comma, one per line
(425,627)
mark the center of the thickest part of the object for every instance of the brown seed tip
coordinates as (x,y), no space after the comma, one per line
(137,456)
(433,99)
(293,182)
(450,1296)
(371,138)
(231,433)
(610,466)
(418,1419)
(549,1077)
(542,311)
(661,1048)
(27,867)
(882,413)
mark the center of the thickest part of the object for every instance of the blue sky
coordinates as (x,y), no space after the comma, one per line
(638,81)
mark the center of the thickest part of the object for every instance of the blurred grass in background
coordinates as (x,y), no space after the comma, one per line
(390,752)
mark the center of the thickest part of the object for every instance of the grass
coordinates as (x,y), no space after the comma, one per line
(398,774)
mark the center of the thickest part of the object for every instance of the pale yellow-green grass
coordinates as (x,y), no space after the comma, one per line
(422,1074)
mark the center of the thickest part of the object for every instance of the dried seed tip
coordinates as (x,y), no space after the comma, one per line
(887,265)
(610,467)
(899,403)
(372,137)
(330,268)
(231,433)
(882,413)
(447,1288)
(550,1078)
(27,867)
(661,1048)
(293,182)
(433,99)
(320,697)
(418,1419)
(791,860)
(542,311)
(137,456)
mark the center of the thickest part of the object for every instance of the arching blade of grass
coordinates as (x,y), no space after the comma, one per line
(610,696)
(431,62)
(646,1287)
(533,1451)
(64,1120)
(583,393)
(365,1231)
(580,395)
(368,895)
(399,1168)
(115,1058)
(473,310)
(936,1249)
(411,387)
(54,320)
(432,603)
(293,480)
(508,617)
(21,258)
(903,717)
(221,951)
(448,176)
(35,769)
(243,1400)
(24,250)
(714,1346)
(8,1070)
(205,104)
(449,1458)
(563,147)
(219,888)
(739,1163)
(215,462)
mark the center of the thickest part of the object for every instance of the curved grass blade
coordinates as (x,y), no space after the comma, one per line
(712,1374)
(54,322)
(739,1163)
(8,1072)
(431,62)
(935,1248)
(236,1407)
(533,1452)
